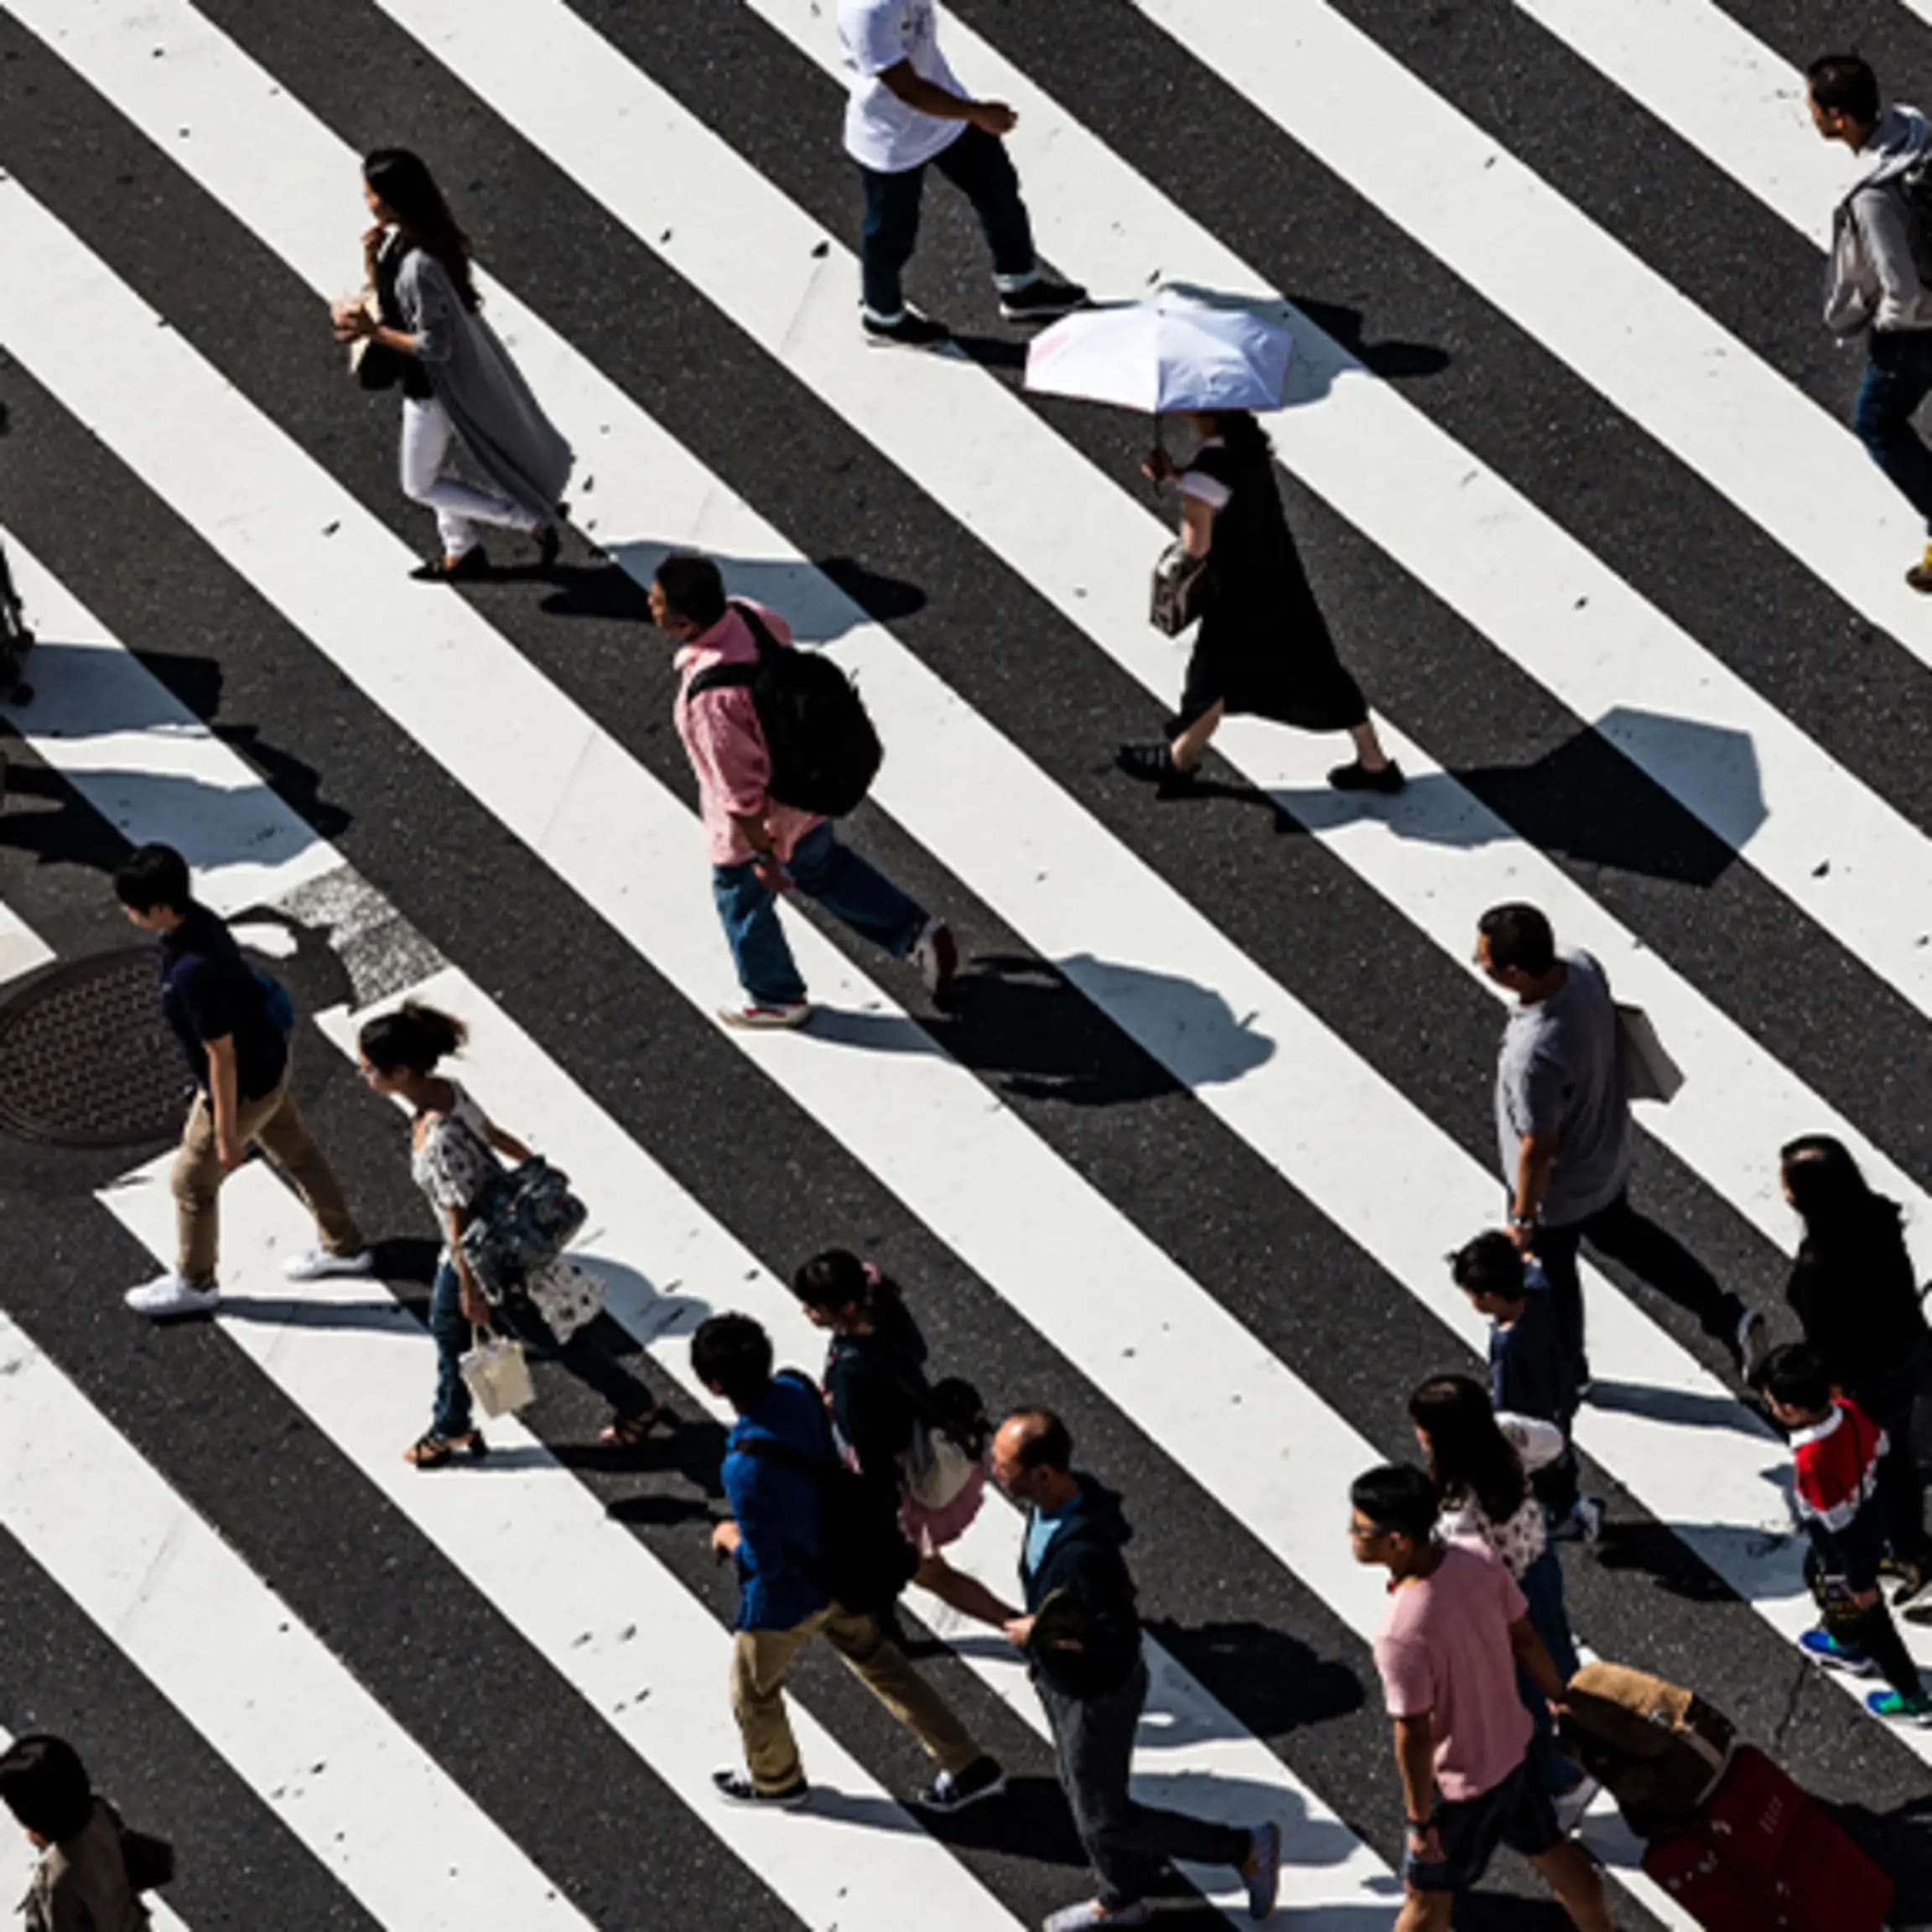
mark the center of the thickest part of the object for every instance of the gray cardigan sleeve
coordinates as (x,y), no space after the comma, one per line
(430,306)
(1882,227)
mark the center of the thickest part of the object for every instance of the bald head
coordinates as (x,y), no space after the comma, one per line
(1032,1457)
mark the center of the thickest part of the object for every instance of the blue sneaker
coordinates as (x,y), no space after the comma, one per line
(1897,1706)
(1821,1647)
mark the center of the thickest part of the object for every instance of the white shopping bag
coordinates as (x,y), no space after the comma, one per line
(497,1376)
(1650,1073)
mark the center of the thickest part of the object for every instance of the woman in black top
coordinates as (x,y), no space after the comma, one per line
(1263,646)
(1854,1294)
(877,1392)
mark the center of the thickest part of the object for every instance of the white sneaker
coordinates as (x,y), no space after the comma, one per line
(935,954)
(1574,1803)
(319,1263)
(169,1294)
(755,1018)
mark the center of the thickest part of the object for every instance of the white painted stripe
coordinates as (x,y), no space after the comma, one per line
(1819,835)
(1703,74)
(18,1858)
(1626,330)
(22,949)
(671,1263)
(1200,1754)
(972,1170)
(1437,854)
(1923,9)
(239,1665)
(577,1586)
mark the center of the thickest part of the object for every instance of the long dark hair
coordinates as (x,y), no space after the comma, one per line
(1840,1211)
(403,181)
(414,1039)
(1468,1455)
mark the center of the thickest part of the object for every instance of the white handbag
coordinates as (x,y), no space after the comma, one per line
(936,1468)
(1650,1073)
(497,1376)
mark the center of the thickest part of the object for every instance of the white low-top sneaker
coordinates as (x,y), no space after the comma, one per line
(319,1263)
(169,1294)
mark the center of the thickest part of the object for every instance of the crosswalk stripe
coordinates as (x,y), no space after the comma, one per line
(1814,830)
(883,1113)
(252,1677)
(18,1859)
(1703,74)
(660,1229)
(22,949)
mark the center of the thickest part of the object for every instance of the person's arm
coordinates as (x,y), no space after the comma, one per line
(971,1598)
(1533,1659)
(1197,526)
(507,1145)
(732,762)
(926,97)
(1415,1738)
(1536,1155)
(1880,214)
(224,1100)
(475,1302)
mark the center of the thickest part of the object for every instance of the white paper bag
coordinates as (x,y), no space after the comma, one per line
(1650,1073)
(497,1376)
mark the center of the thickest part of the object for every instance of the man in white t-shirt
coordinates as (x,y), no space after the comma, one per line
(907,109)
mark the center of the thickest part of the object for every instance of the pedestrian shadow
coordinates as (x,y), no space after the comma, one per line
(1588,799)
(1086,1031)
(1270,1682)
(1899,1842)
(1708,1562)
(822,599)
(1689,1407)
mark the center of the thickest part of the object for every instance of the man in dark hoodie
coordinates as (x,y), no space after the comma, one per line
(1080,1633)
(777,1473)
(1876,281)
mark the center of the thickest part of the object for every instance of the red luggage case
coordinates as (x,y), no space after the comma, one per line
(1765,1856)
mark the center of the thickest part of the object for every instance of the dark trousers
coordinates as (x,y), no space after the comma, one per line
(1654,1256)
(978,165)
(1901,1488)
(1129,1844)
(583,1355)
(1898,379)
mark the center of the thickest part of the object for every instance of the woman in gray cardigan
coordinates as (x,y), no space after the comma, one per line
(457,378)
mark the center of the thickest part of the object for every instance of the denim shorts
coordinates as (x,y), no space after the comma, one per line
(1520,1813)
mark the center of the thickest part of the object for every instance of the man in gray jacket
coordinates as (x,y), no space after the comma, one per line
(1877,277)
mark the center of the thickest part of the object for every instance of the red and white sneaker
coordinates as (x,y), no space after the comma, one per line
(756,1018)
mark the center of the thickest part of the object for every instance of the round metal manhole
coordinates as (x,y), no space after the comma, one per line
(86,1059)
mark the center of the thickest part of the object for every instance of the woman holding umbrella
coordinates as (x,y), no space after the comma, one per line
(1263,646)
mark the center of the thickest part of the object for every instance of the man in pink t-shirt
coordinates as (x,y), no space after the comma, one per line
(1457,1632)
(759,848)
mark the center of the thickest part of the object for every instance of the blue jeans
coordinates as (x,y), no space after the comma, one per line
(1542,1587)
(978,165)
(1898,379)
(840,880)
(585,1355)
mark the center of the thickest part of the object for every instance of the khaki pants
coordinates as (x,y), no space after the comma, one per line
(272,1123)
(761,1658)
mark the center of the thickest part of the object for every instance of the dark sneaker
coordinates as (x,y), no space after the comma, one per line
(1262,1873)
(1043,301)
(1358,777)
(912,330)
(1915,1586)
(954,1792)
(737,1786)
(1153,764)
(1920,576)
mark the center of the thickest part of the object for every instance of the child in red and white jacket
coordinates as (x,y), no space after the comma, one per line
(1835,1449)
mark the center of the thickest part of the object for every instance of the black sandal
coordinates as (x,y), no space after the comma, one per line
(432,1451)
(1153,764)
(439,570)
(630,1431)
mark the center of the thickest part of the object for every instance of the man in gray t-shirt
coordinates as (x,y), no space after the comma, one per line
(1565,1143)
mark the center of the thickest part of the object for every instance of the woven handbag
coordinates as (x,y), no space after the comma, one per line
(1180,594)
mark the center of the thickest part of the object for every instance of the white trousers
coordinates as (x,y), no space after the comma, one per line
(460,507)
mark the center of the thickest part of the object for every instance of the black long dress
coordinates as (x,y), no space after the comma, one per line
(1263,646)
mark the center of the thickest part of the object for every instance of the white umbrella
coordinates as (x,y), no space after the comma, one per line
(1163,355)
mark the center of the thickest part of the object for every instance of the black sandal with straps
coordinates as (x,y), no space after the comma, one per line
(431,1451)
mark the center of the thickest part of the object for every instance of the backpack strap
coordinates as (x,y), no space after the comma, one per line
(732,677)
(761,631)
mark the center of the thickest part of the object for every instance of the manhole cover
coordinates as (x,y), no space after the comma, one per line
(87,1061)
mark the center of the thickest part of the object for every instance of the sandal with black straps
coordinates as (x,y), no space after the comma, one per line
(628,1431)
(433,1452)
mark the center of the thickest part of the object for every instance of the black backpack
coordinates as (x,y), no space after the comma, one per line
(863,1559)
(824,752)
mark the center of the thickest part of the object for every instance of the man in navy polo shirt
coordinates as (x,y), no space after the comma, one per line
(239,1059)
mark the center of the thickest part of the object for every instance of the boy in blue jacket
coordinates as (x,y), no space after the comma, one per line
(779,1473)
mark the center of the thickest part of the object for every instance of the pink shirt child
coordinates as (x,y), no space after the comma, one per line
(1445,1648)
(726,746)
